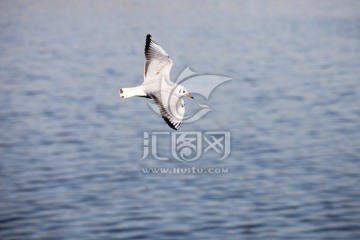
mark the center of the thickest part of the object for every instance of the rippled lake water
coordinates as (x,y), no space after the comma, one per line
(70,150)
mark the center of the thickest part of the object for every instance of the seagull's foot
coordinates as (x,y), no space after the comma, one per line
(121,92)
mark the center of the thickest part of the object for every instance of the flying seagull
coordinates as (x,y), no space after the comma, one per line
(158,86)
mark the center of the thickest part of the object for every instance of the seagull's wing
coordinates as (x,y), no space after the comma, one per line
(158,62)
(172,108)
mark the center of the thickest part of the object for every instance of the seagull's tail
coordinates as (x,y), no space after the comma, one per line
(131,92)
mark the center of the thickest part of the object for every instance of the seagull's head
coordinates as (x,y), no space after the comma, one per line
(181,91)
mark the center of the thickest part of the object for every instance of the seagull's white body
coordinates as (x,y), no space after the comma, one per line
(158,86)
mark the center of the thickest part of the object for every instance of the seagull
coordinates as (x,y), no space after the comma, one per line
(157,85)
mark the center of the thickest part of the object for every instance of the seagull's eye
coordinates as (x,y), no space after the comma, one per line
(183,91)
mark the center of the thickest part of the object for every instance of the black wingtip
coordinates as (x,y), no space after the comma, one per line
(170,124)
(148,40)
(147,43)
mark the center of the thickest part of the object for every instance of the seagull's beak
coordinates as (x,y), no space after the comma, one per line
(189,95)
